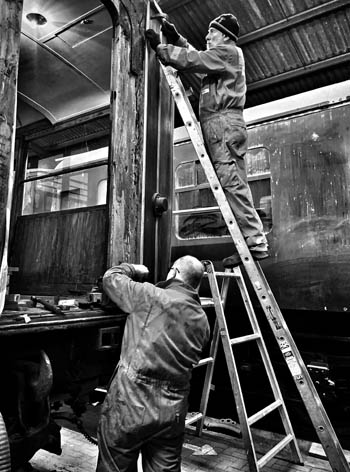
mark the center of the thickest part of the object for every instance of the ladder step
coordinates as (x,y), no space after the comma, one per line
(207,302)
(192,211)
(275,450)
(234,275)
(194,418)
(205,361)
(243,339)
(265,411)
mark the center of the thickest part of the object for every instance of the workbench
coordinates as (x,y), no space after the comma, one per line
(36,320)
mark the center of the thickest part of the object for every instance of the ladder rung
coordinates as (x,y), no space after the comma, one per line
(101,389)
(275,450)
(225,274)
(265,411)
(192,211)
(194,418)
(243,339)
(205,361)
(207,302)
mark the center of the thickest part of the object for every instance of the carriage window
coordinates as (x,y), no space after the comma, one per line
(73,178)
(192,192)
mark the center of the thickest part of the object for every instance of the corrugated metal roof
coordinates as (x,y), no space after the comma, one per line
(290,46)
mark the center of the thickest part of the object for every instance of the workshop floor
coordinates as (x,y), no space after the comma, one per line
(208,453)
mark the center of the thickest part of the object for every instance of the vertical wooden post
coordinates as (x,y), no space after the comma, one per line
(127,129)
(138,169)
(10,30)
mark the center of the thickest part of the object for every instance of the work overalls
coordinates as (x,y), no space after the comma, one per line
(221,106)
(146,404)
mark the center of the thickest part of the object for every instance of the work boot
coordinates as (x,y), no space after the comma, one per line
(232,261)
(259,255)
(235,260)
(259,252)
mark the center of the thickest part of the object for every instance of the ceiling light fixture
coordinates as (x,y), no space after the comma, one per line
(36,19)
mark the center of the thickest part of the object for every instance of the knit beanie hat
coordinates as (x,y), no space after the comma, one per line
(227,24)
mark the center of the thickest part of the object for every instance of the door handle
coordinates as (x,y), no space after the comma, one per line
(160,204)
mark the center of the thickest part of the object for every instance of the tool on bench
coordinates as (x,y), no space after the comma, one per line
(52,308)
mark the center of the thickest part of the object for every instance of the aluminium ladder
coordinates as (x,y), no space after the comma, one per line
(220,330)
(289,350)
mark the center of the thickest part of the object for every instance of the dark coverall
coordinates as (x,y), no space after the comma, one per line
(146,404)
(221,106)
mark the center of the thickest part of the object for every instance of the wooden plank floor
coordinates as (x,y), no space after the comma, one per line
(211,452)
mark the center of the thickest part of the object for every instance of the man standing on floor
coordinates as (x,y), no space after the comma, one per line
(165,332)
(222,99)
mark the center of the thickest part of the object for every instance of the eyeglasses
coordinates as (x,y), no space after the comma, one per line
(175,269)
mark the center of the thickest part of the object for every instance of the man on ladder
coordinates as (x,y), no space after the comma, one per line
(223,64)
(221,106)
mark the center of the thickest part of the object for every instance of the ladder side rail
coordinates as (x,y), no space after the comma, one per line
(210,367)
(304,383)
(311,399)
(296,454)
(208,378)
(261,343)
(233,372)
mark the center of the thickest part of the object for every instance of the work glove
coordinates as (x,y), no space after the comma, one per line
(153,38)
(170,32)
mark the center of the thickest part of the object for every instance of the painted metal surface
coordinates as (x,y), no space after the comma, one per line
(310,208)
(306,151)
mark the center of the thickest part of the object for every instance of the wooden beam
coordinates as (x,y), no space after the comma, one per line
(286,23)
(43,128)
(125,169)
(301,71)
(11,15)
(292,21)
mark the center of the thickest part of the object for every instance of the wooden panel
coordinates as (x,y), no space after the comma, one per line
(59,252)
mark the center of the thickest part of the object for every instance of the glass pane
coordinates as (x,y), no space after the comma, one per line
(201,226)
(184,175)
(63,192)
(201,177)
(206,198)
(41,166)
(261,192)
(195,199)
(184,152)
